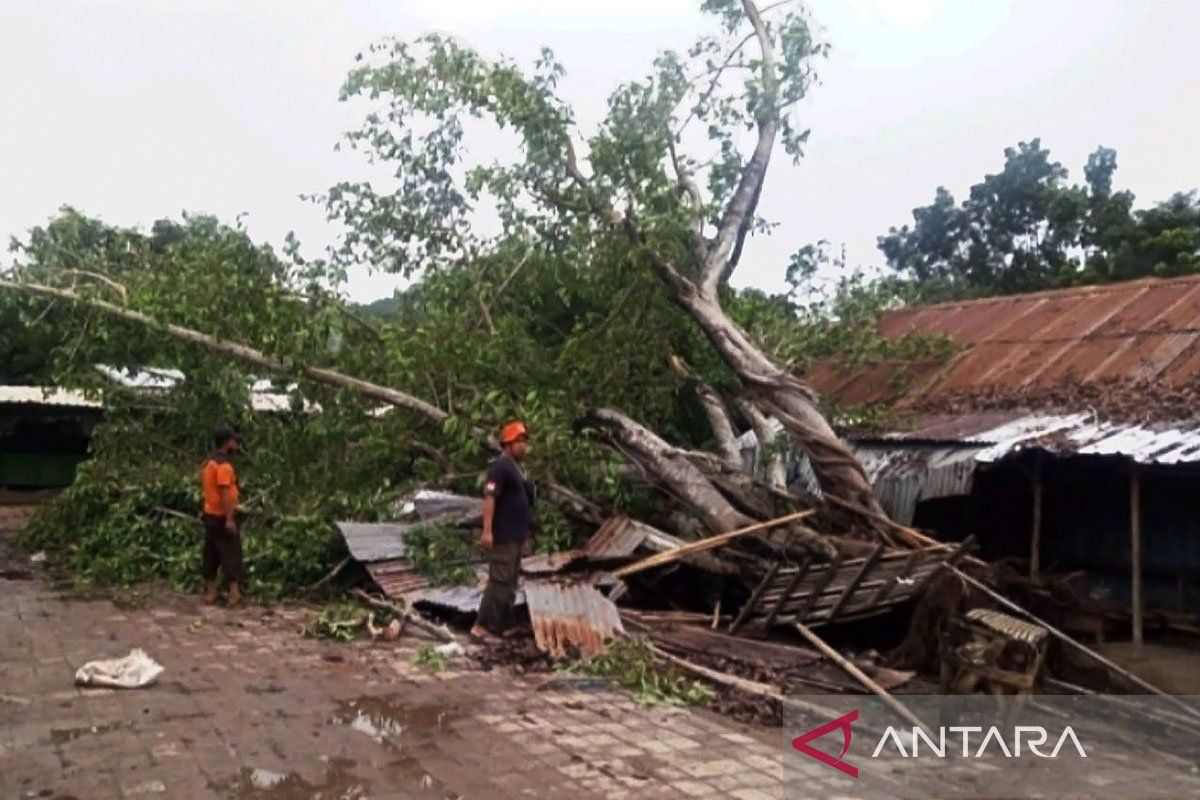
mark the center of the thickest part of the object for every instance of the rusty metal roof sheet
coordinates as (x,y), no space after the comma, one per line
(568,616)
(549,563)
(397,578)
(618,537)
(1138,330)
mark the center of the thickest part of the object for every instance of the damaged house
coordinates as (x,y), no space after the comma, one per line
(1063,434)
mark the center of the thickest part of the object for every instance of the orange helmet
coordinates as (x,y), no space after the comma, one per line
(513,431)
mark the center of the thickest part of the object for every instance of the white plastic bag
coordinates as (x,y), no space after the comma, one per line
(131,672)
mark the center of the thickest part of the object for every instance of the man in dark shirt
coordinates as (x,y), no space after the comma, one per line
(507,516)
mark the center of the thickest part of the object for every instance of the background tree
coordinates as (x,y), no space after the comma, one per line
(1025,229)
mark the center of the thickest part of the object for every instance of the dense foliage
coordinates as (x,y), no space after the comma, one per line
(1026,228)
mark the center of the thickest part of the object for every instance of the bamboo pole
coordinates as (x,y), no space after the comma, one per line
(1134,679)
(666,557)
(851,669)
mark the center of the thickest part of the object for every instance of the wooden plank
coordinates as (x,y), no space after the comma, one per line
(800,573)
(871,584)
(888,587)
(852,586)
(954,558)
(658,559)
(754,597)
(854,672)
(816,594)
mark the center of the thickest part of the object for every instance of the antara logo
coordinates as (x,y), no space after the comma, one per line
(801,743)
(1032,737)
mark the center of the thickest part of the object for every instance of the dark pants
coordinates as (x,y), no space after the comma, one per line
(222,549)
(496,607)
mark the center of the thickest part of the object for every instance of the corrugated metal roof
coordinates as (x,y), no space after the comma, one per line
(906,467)
(1079,434)
(463,599)
(618,537)
(376,541)
(1138,330)
(45,396)
(569,616)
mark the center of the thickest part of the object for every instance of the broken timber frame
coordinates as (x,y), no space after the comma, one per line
(842,590)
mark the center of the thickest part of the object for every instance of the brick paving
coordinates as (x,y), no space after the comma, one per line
(247,708)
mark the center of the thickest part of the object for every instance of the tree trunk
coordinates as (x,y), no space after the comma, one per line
(780,394)
(701,482)
(671,469)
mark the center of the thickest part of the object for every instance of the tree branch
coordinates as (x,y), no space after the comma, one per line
(718,415)
(741,204)
(239,351)
(772,460)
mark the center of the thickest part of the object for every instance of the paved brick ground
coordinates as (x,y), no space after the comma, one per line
(249,709)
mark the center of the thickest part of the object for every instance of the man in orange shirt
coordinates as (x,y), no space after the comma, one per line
(222,536)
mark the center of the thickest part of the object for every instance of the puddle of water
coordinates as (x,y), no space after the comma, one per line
(60,736)
(408,773)
(257,783)
(387,719)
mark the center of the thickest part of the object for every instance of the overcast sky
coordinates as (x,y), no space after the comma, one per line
(135,110)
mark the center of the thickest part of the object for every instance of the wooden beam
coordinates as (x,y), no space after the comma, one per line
(959,553)
(791,587)
(658,559)
(754,597)
(1035,531)
(1135,555)
(1129,676)
(821,585)
(853,671)
(889,587)
(852,586)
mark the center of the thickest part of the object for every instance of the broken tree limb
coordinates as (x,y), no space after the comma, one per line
(718,414)
(669,467)
(1124,673)
(328,575)
(239,351)
(732,681)
(440,632)
(658,559)
(851,669)
(571,501)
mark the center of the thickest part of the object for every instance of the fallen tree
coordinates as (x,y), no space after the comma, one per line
(612,274)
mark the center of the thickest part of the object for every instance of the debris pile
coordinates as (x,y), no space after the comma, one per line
(737,609)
